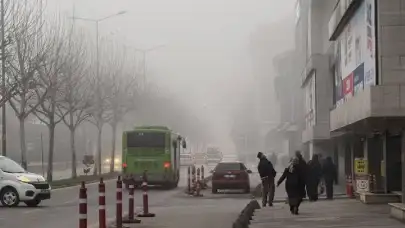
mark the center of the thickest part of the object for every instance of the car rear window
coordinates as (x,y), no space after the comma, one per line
(229,166)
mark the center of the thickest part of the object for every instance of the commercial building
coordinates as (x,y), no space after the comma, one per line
(287,134)
(351,53)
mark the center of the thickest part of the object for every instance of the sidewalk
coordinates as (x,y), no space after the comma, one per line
(344,213)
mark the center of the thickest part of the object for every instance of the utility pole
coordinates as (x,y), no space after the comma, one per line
(3,83)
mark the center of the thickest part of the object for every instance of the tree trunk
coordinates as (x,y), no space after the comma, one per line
(97,169)
(22,143)
(114,136)
(73,151)
(51,129)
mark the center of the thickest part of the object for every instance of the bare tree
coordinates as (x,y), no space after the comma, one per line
(122,98)
(99,111)
(76,91)
(27,53)
(53,79)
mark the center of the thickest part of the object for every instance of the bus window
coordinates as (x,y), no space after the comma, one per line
(146,140)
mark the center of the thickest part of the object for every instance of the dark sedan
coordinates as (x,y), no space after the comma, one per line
(231,175)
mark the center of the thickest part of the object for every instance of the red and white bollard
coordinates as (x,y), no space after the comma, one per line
(193,181)
(146,212)
(83,206)
(189,180)
(198,184)
(203,184)
(118,210)
(101,205)
(131,204)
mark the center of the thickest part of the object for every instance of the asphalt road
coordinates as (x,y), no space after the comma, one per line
(62,210)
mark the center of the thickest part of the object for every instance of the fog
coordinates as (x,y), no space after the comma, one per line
(214,59)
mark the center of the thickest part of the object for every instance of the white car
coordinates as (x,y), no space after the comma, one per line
(17,185)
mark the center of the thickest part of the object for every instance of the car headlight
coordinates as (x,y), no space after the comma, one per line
(107,160)
(23,179)
(117,161)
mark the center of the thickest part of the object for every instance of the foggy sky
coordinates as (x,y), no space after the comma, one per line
(205,61)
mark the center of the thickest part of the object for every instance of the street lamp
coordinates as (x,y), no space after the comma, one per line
(144,52)
(97,22)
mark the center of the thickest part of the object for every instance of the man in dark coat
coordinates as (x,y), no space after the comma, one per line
(267,175)
(314,177)
(329,173)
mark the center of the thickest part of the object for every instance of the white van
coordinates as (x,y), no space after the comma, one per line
(17,185)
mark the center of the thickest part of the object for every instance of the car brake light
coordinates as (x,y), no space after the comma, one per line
(166,165)
(124,165)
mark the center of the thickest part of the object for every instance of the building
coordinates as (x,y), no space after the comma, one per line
(351,53)
(287,87)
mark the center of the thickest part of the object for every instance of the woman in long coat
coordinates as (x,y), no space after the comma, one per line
(294,185)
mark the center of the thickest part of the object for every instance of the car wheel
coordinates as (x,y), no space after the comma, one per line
(214,190)
(9,197)
(32,203)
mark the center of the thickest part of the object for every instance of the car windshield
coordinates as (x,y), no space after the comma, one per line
(228,166)
(9,166)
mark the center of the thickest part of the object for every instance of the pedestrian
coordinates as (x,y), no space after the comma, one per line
(303,167)
(267,175)
(294,185)
(314,177)
(329,174)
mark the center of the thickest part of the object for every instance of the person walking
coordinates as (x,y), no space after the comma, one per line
(314,177)
(303,167)
(294,185)
(329,174)
(267,175)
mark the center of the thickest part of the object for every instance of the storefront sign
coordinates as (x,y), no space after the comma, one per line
(360,166)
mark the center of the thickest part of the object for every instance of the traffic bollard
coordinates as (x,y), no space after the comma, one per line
(131,204)
(118,211)
(83,206)
(198,184)
(203,184)
(146,212)
(101,202)
(193,179)
(189,180)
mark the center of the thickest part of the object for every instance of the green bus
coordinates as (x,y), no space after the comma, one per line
(154,150)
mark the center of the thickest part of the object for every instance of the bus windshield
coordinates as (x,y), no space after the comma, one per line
(146,140)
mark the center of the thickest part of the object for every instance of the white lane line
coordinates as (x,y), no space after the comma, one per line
(32,211)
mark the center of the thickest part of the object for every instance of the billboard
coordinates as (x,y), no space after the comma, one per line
(355,56)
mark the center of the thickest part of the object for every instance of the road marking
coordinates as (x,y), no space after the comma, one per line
(32,211)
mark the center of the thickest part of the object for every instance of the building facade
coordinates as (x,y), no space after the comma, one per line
(313,50)
(287,134)
(352,67)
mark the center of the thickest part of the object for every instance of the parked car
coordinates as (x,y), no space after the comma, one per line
(17,185)
(231,175)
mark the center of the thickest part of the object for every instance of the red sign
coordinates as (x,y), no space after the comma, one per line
(348,85)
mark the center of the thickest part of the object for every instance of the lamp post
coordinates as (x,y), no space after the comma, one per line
(97,22)
(144,52)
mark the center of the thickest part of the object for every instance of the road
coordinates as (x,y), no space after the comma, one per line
(62,210)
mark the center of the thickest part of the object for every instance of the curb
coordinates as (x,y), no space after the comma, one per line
(243,220)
